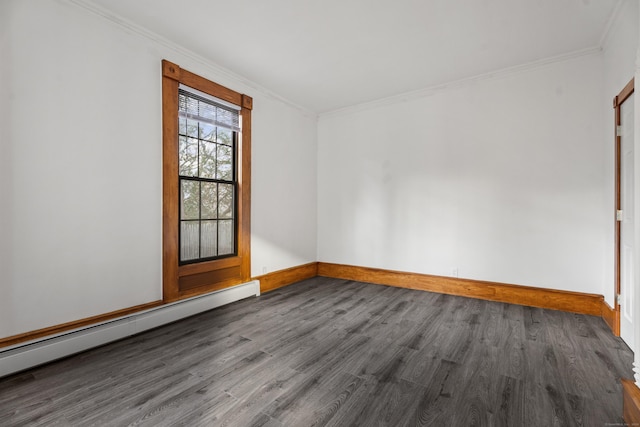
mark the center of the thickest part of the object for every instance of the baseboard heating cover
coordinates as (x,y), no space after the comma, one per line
(33,353)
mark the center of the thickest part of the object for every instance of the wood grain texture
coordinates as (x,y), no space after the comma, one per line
(617,102)
(574,302)
(630,402)
(329,352)
(202,267)
(210,279)
(64,327)
(170,214)
(618,205)
(280,278)
(170,70)
(624,93)
(207,86)
(244,190)
(179,282)
(247,102)
(616,223)
(611,318)
(268,282)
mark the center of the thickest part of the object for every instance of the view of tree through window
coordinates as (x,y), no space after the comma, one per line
(207,139)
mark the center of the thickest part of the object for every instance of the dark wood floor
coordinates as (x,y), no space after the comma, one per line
(331,352)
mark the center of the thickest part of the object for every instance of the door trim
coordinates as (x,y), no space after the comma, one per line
(617,102)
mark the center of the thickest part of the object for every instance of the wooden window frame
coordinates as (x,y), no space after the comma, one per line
(184,281)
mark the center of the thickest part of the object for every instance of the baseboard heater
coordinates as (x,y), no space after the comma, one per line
(33,353)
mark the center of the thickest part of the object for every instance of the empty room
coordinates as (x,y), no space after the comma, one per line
(296,213)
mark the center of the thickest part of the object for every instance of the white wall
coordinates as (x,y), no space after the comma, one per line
(507,178)
(500,179)
(619,65)
(284,197)
(6,313)
(81,167)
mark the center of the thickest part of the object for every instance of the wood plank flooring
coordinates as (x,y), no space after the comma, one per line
(327,352)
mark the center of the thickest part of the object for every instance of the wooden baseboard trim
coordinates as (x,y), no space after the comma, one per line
(630,402)
(611,318)
(64,327)
(574,302)
(278,279)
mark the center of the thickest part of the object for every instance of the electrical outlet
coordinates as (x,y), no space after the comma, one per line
(264,269)
(454,272)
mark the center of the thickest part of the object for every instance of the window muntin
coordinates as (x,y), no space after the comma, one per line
(207,147)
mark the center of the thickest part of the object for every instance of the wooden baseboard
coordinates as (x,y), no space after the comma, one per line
(630,402)
(278,279)
(64,327)
(574,302)
(268,282)
(611,317)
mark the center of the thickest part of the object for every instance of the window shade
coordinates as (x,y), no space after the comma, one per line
(198,108)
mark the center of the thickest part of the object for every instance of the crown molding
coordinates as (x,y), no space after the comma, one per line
(140,31)
(144,33)
(456,84)
(608,28)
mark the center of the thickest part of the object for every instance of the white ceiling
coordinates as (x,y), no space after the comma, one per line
(329,54)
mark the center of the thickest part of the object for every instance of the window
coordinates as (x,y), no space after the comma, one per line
(207,137)
(206,184)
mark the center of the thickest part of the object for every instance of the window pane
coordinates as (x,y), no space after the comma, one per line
(192,128)
(207,179)
(224,163)
(207,132)
(225,238)
(225,136)
(225,201)
(207,159)
(209,239)
(207,111)
(191,105)
(226,116)
(188,156)
(189,240)
(189,199)
(209,197)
